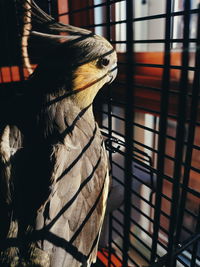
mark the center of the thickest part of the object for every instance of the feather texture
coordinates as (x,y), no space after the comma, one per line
(54,167)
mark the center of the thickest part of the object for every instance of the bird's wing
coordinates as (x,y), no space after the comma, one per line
(72,217)
(10,145)
(66,220)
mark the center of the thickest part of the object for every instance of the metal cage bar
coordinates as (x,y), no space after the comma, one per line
(128,133)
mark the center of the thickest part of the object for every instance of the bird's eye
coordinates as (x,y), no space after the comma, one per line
(103,62)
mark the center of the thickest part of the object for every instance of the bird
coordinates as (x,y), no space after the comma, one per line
(54,170)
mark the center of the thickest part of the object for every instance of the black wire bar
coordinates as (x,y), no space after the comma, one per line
(180,137)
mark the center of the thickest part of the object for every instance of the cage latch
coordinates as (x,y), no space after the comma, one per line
(113,148)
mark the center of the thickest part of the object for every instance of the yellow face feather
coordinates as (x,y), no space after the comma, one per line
(86,80)
(89,78)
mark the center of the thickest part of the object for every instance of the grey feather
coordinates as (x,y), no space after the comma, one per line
(57,179)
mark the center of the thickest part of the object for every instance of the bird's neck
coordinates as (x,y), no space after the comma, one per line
(51,116)
(85,98)
(85,86)
(62,116)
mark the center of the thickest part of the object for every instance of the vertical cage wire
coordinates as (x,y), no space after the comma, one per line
(109,107)
(180,135)
(162,131)
(191,135)
(128,133)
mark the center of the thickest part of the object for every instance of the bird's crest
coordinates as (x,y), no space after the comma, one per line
(50,33)
(47,23)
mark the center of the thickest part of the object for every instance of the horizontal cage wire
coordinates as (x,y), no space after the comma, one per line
(149,118)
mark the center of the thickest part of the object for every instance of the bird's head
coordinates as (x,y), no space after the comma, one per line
(78,62)
(96,67)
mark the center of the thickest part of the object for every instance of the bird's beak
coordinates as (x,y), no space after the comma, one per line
(113,73)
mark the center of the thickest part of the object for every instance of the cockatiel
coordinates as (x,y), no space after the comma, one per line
(53,164)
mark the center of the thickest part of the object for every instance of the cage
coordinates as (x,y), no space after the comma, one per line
(149,116)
